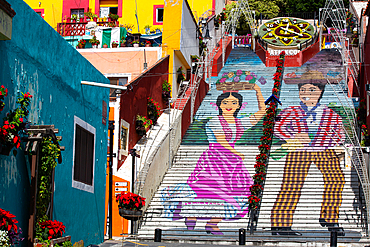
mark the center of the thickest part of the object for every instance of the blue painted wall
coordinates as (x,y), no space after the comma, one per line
(38,60)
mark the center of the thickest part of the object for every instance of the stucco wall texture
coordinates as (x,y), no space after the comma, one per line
(39,61)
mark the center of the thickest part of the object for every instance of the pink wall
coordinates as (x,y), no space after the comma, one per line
(121,62)
(72,4)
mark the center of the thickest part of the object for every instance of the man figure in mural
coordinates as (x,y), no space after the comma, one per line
(220,181)
(310,131)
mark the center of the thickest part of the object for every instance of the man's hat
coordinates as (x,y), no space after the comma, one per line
(312,76)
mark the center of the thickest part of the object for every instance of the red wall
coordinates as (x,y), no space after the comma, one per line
(186,114)
(134,99)
(217,61)
(290,61)
(72,4)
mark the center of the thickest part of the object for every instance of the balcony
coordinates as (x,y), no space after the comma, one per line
(78,28)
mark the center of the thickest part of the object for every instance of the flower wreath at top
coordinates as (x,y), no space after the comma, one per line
(238,76)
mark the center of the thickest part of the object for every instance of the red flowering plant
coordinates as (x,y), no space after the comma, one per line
(9,229)
(256,189)
(264,148)
(254,201)
(259,178)
(266,140)
(260,167)
(130,201)
(14,123)
(50,229)
(153,110)
(142,123)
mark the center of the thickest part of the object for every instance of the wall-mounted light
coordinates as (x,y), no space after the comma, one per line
(39,4)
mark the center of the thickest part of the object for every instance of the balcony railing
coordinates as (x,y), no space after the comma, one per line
(79,28)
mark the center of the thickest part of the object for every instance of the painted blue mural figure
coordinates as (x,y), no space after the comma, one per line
(220,180)
(309,130)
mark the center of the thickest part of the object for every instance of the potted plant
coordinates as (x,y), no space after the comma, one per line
(166,92)
(114,44)
(74,18)
(128,27)
(157,30)
(130,205)
(113,17)
(81,44)
(50,232)
(142,124)
(15,123)
(123,42)
(180,75)
(89,15)
(135,43)
(153,110)
(94,42)
(148,44)
(105,45)
(9,231)
(147,29)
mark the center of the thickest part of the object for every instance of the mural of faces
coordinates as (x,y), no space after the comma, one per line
(229,105)
(310,94)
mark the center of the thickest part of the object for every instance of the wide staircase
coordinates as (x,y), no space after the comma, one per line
(207,182)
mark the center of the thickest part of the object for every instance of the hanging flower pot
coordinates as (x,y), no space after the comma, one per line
(130,214)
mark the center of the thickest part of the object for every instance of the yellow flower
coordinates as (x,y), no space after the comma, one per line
(231,74)
(247,72)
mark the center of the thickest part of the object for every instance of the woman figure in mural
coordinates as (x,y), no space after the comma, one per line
(220,176)
(309,130)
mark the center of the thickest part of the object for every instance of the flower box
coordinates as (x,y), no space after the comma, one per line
(130,214)
(53,242)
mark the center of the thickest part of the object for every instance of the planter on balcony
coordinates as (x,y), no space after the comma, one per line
(130,214)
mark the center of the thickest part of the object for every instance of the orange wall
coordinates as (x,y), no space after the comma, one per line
(120,62)
(120,225)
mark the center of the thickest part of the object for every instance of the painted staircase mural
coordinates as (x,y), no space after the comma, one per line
(310,184)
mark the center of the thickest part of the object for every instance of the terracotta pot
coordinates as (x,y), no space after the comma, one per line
(122,45)
(80,46)
(114,45)
(148,45)
(130,214)
(105,46)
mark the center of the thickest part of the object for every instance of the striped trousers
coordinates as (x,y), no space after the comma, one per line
(296,168)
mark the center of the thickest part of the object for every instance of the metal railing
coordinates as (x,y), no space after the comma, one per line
(79,28)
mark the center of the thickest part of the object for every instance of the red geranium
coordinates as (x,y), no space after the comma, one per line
(8,223)
(53,228)
(14,123)
(130,201)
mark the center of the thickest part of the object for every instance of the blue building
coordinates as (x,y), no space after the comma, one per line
(38,60)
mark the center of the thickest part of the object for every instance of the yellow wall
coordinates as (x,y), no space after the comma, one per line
(201,8)
(52,10)
(144,11)
(172,33)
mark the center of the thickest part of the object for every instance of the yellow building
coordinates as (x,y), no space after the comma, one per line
(136,13)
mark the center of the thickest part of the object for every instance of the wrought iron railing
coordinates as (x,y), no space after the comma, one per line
(79,28)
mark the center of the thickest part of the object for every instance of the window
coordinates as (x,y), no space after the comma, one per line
(158,14)
(40,12)
(123,138)
(116,81)
(78,12)
(84,156)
